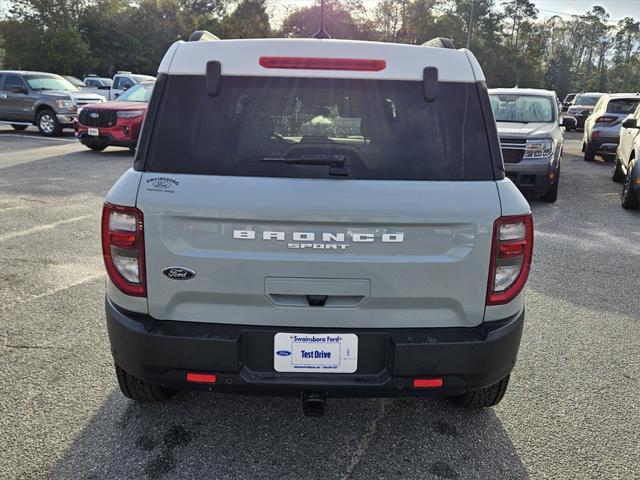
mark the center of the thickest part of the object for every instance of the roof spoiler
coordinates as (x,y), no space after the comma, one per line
(439,42)
(202,36)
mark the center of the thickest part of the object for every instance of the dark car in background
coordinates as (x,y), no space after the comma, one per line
(114,123)
(583,107)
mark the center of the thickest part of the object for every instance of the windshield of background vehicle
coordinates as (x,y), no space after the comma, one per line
(587,100)
(623,105)
(521,108)
(356,129)
(49,82)
(139,93)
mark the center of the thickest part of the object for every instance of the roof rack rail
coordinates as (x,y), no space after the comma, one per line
(439,42)
(202,36)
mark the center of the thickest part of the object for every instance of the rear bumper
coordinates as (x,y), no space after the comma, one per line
(241,357)
(604,144)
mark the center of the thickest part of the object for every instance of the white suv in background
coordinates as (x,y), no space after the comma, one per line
(626,168)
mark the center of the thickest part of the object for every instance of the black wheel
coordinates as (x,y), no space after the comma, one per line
(589,153)
(140,390)
(629,198)
(48,124)
(486,397)
(617,176)
(96,146)
(552,194)
(19,127)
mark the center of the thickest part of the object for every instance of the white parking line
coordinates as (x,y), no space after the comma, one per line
(40,228)
(36,137)
(54,291)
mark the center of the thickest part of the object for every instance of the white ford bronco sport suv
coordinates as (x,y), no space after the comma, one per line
(317,218)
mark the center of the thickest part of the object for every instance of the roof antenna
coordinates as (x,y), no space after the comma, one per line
(322,33)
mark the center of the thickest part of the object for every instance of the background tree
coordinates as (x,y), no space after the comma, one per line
(514,46)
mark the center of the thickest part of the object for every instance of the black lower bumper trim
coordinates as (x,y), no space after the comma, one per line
(241,356)
(107,139)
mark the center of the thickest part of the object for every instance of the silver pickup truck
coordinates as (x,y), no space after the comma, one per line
(43,99)
(531,137)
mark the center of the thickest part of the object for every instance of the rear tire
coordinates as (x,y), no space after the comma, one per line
(483,398)
(140,390)
(48,123)
(617,176)
(589,153)
(629,199)
(19,128)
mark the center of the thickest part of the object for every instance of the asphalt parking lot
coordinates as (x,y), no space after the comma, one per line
(571,412)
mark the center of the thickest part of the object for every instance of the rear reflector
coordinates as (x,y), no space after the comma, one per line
(317,63)
(427,383)
(201,378)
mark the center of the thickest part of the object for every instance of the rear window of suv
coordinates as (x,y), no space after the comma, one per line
(320,128)
(623,105)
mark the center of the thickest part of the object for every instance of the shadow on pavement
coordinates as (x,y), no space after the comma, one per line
(200,435)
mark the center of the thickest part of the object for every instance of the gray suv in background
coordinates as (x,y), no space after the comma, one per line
(43,99)
(531,138)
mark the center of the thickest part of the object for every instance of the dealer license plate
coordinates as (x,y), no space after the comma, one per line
(317,352)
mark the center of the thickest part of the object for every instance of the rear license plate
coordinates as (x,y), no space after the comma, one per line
(317,352)
(94,132)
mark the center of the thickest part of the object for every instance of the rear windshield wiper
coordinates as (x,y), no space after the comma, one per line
(338,164)
(513,121)
(320,159)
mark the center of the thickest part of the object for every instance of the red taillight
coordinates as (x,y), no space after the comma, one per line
(201,378)
(511,253)
(606,119)
(318,63)
(123,248)
(427,383)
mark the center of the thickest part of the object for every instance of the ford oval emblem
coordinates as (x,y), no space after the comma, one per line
(94,114)
(283,353)
(178,273)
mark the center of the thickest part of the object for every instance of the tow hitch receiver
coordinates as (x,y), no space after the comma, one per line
(313,403)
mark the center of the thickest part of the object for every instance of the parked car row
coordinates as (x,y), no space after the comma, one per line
(51,102)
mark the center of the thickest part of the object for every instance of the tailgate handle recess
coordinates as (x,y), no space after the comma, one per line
(317,292)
